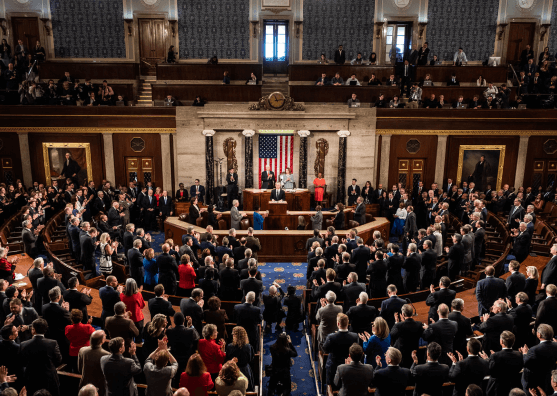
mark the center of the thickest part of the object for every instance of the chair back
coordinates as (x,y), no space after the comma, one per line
(353,224)
(199,222)
(222,225)
(244,224)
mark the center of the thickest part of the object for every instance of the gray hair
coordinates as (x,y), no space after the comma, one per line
(528,217)
(208,330)
(234,202)
(26,223)
(130,226)
(363,297)
(250,297)
(412,247)
(54,293)
(140,231)
(252,262)
(248,252)
(119,308)
(208,260)
(137,243)
(88,390)
(38,261)
(353,276)
(331,297)
(318,251)
(131,287)
(376,234)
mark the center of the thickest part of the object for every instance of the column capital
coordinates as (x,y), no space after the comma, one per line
(343,134)
(208,132)
(304,133)
(248,132)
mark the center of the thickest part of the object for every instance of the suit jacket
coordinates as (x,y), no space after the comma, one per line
(521,245)
(340,57)
(549,274)
(464,331)
(278,195)
(479,243)
(471,370)
(119,372)
(505,372)
(522,316)
(168,271)
(429,378)
(183,342)
(389,307)
(360,214)
(58,318)
(337,345)
(267,182)
(327,318)
(410,227)
(109,297)
(29,240)
(71,169)
(41,356)
(43,287)
(87,250)
(538,364)
(248,316)
(254,285)
(488,291)
(235,218)
(189,307)
(253,244)
(515,283)
(352,293)
(547,312)
(492,329)
(391,381)
(354,378)
(320,292)
(353,197)
(119,326)
(135,261)
(441,296)
(442,332)
(229,281)
(79,301)
(200,196)
(456,258)
(517,213)
(9,357)
(166,207)
(310,241)
(361,317)
(412,265)
(89,365)
(405,336)
(360,256)
(182,195)
(159,305)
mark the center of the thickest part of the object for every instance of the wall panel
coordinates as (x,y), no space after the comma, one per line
(427,151)
(122,149)
(536,152)
(9,152)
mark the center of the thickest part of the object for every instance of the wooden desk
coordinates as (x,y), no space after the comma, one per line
(463,74)
(184,207)
(298,199)
(363,73)
(210,92)
(23,267)
(203,71)
(341,94)
(94,70)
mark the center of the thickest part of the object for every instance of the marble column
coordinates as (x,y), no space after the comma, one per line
(521,161)
(109,158)
(440,161)
(303,169)
(385,157)
(209,168)
(341,177)
(248,133)
(25,159)
(166,164)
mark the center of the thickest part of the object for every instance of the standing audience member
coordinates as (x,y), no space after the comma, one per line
(78,334)
(182,339)
(353,377)
(392,379)
(212,353)
(89,362)
(471,370)
(118,370)
(160,368)
(282,352)
(242,351)
(134,302)
(230,379)
(431,376)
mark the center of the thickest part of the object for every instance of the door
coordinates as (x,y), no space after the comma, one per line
(410,172)
(545,174)
(520,34)
(152,40)
(399,41)
(140,170)
(27,30)
(275,47)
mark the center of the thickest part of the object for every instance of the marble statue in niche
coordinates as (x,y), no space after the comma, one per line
(229,149)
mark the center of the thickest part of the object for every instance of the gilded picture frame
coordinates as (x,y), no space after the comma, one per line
(54,156)
(469,158)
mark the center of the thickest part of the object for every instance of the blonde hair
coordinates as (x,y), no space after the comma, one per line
(104,237)
(149,253)
(533,270)
(380,328)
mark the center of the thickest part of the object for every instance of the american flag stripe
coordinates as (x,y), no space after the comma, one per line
(277,151)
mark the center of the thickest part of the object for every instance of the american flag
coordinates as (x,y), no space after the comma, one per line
(276,151)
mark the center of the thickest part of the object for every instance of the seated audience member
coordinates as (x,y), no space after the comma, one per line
(198,102)
(434,61)
(459,58)
(391,81)
(121,101)
(323,80)
(160,368)
(442,102)
(91,100)
(453,81)
(196,379)
(503,96)
(353,377)
(294,304)
(337,345)
(353,101)
(89,362)
(230,378)
(459,104)
(491,90)
(429,377)
(431,103)
(171,57)
(471,370)
(427,79)
(358,60)
(391,379)
(169,101)
(373,59)
(214,60)
(489,103)
(475,103)
(323,59)
(252,79)
(106,94)
(374,80)
(352,80)
(226,78)
(395,103)
(381,102)
(337,80)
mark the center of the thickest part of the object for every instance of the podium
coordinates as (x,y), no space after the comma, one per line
(278,208)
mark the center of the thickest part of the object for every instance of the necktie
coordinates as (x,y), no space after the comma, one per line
(150,199)
(197,188)
(406,71)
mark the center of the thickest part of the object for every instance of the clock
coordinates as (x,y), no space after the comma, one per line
(276,101)
(137,144)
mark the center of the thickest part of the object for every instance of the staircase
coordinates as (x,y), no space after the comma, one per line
(145,92)
(272,83)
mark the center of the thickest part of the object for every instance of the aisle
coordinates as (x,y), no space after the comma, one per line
(303,382)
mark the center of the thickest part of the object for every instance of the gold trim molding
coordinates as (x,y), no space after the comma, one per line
(464,132)
(500,166)
(86,130)
(46,158)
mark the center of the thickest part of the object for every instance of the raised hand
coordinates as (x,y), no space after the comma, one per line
(415,357)
(378,361)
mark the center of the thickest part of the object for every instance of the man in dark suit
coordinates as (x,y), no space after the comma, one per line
(345,268)
(166,207)
(78,300)
(539,361)
(505,367)
(319,291)
(35,273)
(337,345)
(249,316)
(493,326)
(278,194)
(353,377)
(393,379)
(522,316)
(360,256)
(89,243)
(109,295)
(361,315)
(231,187)
(252,285)
(549,273)
(406,73)
(489,290)
(391,306)
(182,339)
(428,266)
(547,309)
(229,280)
(442,296)
(149,205)
(273,312)
(521,243)
(128,238)
(353,193)
(21,317)
(193,307)
(47,282)
(168,270)
(268,179)
(464,326)
(406,334)
(431,376)
(160,304)
(120,325)
(526,55)
(443,332)
(516,214)
(239,251)
(516,281)
(453,81)
(316,238)
(340,56)
(9,353)
(360,211)
(29,236)
(135,262)
(455,256)
(412,265)
(119,370)
(197,191)
(253,243)
(479,242)
(471,370)
(58,317)
(352,291)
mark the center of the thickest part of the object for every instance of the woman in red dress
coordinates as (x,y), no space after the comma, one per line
(134,304)
(212,353)
(187,276)
(196,379)
(78,334)
(319,184)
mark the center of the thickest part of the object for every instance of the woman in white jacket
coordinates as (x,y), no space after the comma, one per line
(400,220)
(438,239)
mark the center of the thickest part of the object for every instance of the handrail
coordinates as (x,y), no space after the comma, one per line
(147,63)
(514,72)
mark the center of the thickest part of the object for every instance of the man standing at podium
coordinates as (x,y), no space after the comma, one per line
(277,194)
(267,178)
(231,187)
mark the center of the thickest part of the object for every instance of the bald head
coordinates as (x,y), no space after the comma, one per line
(88,390)
(182,392)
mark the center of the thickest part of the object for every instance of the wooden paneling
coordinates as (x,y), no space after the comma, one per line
(82,70)
(152,38)
(36,141)
(536,152)
(511,153)
(122,149)
(296,201)
(366,94)
(208,92)
(520,34)
(26,30)
(10,153)
(427,151)
(363,73)
(452,93)
(238,71)
(463,74)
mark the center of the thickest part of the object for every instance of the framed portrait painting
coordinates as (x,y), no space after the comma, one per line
(67,160)
(482,165)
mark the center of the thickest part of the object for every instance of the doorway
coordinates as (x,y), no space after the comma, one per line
(520,34)
(545,175)
(410,172)
(26,30)
(399,41)
(275,47)
(152,41)
(140,170)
